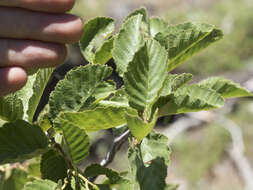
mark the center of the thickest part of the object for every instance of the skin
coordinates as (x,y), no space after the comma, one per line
(33,34)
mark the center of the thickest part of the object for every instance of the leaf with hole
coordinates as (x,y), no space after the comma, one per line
(95,40)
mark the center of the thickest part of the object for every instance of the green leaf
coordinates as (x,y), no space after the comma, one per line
(53,166)
(149,150)
(96,119)
(227,88)
(43,119)
(138,127)
(20,140)
(120,96)
(141,11)
(42,77)
(95,35)
(73,92)
(157,25)
(34,169)
(16,180)
(191,98)
(171,187)
(23,103)
(115,179)
(73,185)
(41,185)
(175,81)
(104,54)
(127,43)
(149,68)
(148,162)
(11,108)
(184,40)
(96,170)
(77,141)
(104,90)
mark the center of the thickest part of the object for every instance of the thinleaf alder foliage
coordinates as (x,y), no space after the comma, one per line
(144,51)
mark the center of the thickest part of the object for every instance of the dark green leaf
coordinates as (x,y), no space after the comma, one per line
(53,166)
(21,140)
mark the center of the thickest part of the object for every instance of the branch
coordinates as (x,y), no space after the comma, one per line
(116,145)
(236,152)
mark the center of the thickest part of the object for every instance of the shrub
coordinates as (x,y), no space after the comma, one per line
(145,50)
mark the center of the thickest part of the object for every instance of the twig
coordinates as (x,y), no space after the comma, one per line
(116,145)
(87,182)
(236,153)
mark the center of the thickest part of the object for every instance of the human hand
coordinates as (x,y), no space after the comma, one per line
(33,34)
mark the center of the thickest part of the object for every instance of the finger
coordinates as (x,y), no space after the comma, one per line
(31,54)
(23,24)
(11,79)
(55,6)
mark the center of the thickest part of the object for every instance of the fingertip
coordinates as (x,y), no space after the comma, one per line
(12,79)
(73,30)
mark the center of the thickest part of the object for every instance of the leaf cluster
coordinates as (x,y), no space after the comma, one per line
(144,51)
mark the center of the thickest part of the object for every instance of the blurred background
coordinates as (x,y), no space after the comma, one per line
(210,150)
